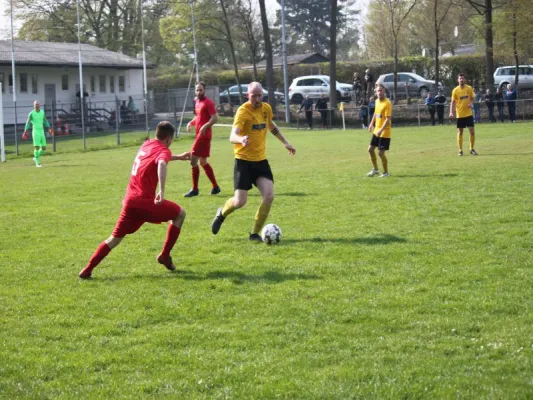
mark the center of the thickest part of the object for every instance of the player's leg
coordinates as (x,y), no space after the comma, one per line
(472,140)
(215,189)
(100,253)
(165,212)
(195,170)
(266,188)
(384,162)
(372,153)
(460,140)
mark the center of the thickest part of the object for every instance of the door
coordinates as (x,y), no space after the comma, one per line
(50,100)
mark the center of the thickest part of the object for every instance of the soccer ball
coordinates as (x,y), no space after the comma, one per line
(271,234)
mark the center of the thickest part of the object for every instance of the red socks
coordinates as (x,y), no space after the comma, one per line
(195,177)
(173,234)
(101,252)
(210,174)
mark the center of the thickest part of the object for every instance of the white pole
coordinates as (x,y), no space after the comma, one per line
(14,80)
(285,72)
(194,42)
(145,96)
(2,141)
(82,95)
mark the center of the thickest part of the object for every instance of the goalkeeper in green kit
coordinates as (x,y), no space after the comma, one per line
(37,119)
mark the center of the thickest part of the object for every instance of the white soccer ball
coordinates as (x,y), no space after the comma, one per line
(271,234)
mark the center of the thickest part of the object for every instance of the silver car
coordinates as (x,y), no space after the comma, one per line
(417,86)
(505,75)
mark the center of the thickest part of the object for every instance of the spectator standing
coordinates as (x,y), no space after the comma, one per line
(363,114)
(322,107)
(477,100)
(511,97)
(307,106)
(430,104)
(369,81)
(500,103)
(440,100)
(371,107)
(489,101)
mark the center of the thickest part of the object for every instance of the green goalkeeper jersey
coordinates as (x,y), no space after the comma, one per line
(38,121)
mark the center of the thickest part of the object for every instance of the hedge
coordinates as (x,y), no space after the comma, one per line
(473,67)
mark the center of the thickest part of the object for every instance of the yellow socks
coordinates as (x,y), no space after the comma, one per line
(260,216)
(228,208)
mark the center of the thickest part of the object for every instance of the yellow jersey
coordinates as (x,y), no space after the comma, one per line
(463,96)
(254,123)
(383,110)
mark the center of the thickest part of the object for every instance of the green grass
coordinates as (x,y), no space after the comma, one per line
(413,287)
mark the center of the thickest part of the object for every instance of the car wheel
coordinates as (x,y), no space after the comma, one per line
(297,99)
(423,92)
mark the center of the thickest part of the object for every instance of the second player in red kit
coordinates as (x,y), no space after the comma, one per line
(206,116)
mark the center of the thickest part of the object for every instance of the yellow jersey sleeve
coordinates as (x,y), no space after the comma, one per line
(254,123)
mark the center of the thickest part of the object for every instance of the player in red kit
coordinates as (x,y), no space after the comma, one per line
(206,116)
(142,203)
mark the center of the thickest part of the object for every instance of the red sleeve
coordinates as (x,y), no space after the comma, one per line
(211,108)
(165,155)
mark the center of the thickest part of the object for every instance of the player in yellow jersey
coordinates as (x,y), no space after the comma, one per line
(463,102)
(381,127)
(250,126)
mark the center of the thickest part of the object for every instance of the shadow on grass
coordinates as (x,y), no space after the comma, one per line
(507,154)
(373,240)
(287,194)
(236,277)
(425,176)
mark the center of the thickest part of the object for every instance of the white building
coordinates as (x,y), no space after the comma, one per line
(49,72)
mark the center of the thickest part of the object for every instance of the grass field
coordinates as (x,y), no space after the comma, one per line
(417,286)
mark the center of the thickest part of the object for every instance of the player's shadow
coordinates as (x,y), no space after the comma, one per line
(242,278)
(507,154)
(281,194)
(425,175)
(372,240)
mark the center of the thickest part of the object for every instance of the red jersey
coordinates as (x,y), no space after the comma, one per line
(204,110)
(144,179)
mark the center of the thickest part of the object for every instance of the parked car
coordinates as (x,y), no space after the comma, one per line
(417,86)
(505,75)
(232,94)
(315,85)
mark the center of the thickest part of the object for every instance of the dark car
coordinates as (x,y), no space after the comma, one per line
(233,93)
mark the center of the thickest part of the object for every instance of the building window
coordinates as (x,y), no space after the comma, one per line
(93,84)
(111,84)
(2,82)
(102,83)
(34,83)
(121,83)
(10,83)
(64,82)
(23,82)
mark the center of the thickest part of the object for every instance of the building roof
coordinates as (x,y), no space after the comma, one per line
(64,54)
(308,58)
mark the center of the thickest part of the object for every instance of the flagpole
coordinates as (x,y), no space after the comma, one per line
(14,79)
(285,72)
(145,89)
(82,92)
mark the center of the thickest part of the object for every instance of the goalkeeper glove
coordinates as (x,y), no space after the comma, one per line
(25,135)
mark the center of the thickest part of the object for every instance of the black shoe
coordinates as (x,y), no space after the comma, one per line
(254,237)
(215,190)
(167,262)
(473,152)
(460,153)
(191,193)
(217,221)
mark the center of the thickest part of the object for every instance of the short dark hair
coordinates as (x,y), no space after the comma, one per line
(461,74)
(164,130)
(200,83)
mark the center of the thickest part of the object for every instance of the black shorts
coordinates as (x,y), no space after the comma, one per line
(381,143)
(466,122)
(245,173)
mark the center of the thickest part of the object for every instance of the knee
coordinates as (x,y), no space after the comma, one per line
(268,198)
(182,215)
(238,203)
(113,242)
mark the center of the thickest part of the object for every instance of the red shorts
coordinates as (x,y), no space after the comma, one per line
(201,146)
(135,212)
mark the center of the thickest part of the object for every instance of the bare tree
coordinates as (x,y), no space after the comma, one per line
(246,13)
(229,37)
(268,51)
(333,56)
(437,21)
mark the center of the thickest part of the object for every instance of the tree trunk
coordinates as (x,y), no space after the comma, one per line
(232,49)
(395,88)
(333,57)
(435,20)
(268,51)
(489,51)
(515,51)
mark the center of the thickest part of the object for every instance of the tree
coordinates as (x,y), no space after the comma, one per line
(397,12)
(250,31)
(268,51)
(333,56)
(311,24)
